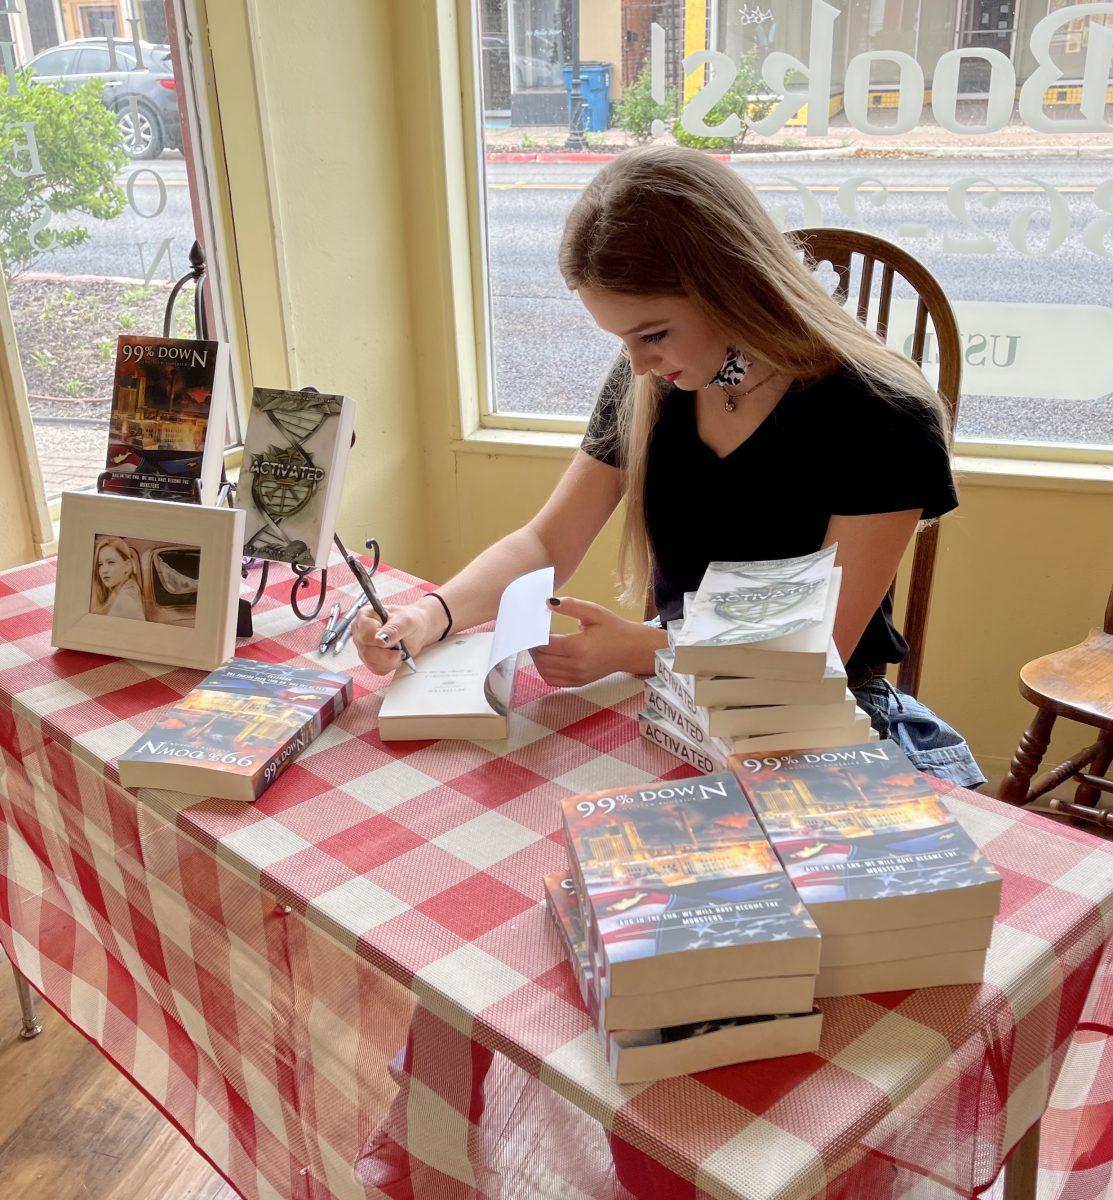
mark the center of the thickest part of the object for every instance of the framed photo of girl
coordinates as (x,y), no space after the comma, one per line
(154,580)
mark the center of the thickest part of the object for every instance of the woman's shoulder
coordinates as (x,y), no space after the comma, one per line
(845,397)
(128,600)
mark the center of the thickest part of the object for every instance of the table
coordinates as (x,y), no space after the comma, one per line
(350,988)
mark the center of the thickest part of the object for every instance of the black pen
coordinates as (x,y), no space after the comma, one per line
(360,572)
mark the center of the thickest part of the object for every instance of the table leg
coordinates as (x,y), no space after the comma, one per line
(1020,1170)
(31,1027)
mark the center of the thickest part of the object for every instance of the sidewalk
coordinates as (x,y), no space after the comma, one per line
(928,140)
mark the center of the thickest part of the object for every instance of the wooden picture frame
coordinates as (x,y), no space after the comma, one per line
(153,580)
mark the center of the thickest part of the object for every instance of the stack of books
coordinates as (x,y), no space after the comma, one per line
(691,947)
(901,895)
(703,916)
(752,668)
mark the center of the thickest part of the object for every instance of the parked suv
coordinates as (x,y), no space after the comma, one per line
(149,125)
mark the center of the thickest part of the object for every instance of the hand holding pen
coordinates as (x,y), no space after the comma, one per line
(363,577)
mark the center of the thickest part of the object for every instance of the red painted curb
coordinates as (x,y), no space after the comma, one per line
(574,156)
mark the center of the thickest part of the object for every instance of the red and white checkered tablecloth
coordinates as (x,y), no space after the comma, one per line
(350,989)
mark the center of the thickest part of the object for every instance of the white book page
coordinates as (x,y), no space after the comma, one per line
(524,618)
(448,682)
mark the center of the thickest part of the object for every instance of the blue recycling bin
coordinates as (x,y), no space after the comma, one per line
(595,87)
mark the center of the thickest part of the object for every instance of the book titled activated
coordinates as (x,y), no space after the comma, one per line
(731,691)
(168,421)
(678,882)
(294,457)
(707,758)
(678,1005)
(644,1050)
(770,619)
(462,687)
(867,841)
(750,721)
(237,731)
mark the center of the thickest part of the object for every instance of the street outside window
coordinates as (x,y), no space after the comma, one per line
(976,135)
(98,210)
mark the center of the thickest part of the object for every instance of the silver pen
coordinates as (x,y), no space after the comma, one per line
(347,624)
(330,628)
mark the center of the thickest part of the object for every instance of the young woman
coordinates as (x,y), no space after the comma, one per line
(116,591)
(748,416)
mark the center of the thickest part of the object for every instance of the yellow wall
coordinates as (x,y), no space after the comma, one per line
(327,239)
(601,38)
(343,199)
(25,530)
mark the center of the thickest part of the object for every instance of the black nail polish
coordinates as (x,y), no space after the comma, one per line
(554,601)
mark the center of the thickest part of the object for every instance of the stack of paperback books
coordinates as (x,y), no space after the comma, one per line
(702,917)
(752,668)
(690,944)
(900,893)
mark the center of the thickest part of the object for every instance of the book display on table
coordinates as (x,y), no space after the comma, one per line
(168,419)
(900,892)
(752,668)
(684,915)
(295,454)
(237,731)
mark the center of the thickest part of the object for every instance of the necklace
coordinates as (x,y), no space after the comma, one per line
(730,401)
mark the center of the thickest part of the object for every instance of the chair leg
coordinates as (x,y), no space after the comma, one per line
(1029,755)
(31,1027)
(1099,764)
(1022,1166)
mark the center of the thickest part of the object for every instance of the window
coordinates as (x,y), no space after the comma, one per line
(94,59)
(974,134)
(54,62)
(113,196)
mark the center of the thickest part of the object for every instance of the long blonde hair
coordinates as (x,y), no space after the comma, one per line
(664,220)
(126,554)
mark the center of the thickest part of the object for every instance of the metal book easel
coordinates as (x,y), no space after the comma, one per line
(226,492)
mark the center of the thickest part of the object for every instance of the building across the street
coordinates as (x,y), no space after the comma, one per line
(525,45)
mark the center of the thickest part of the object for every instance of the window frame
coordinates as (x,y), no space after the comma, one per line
(208,194)
(482,426)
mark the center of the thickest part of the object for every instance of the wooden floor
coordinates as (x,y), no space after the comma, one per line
(73,1128)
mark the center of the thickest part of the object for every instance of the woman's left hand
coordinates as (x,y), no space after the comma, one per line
(604,644)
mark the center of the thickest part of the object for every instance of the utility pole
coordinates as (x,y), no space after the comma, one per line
(575,139)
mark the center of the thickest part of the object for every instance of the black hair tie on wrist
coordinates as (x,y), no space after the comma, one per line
(447,613)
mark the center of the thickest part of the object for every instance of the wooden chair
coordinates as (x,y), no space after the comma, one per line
(1076,684)
(882,262)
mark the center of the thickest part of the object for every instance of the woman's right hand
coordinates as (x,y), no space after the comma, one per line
(412,624)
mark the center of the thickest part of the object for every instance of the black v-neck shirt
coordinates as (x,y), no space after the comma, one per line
(830,448)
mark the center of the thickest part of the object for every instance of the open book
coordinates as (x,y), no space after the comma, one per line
(462,687)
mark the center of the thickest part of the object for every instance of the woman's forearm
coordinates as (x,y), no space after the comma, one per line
(473,594)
